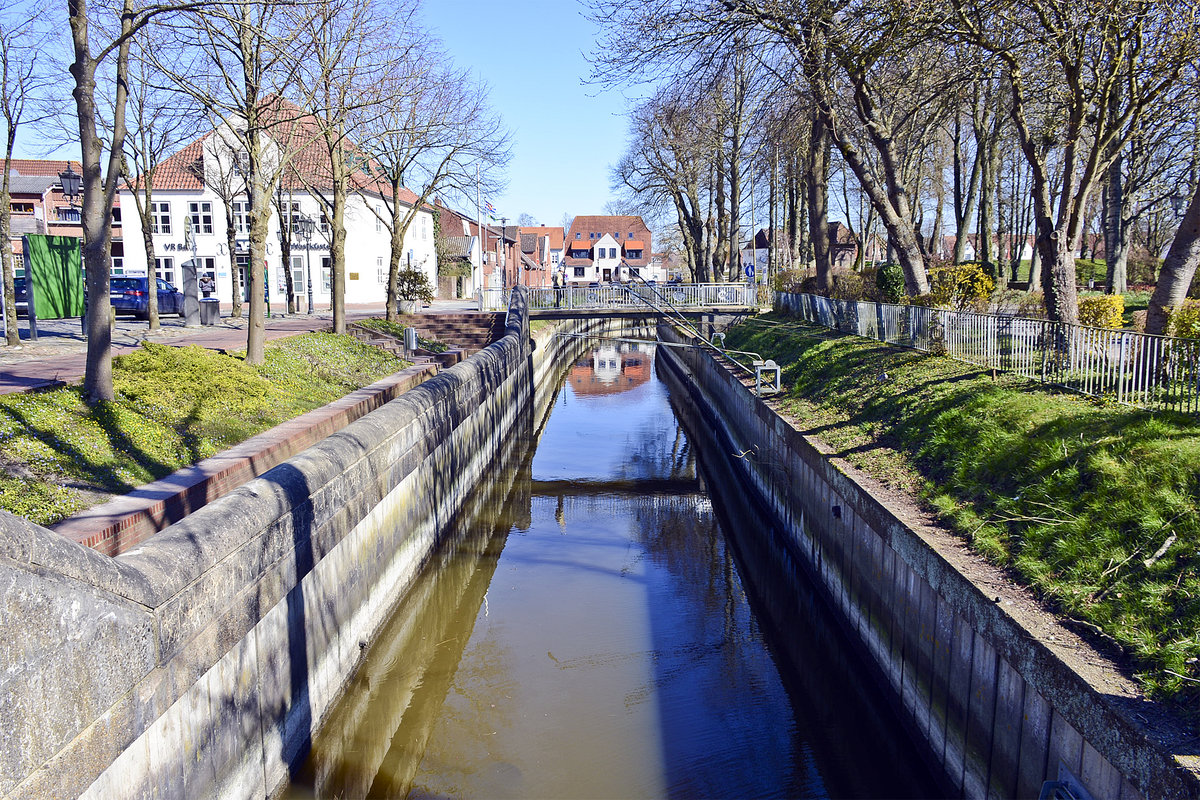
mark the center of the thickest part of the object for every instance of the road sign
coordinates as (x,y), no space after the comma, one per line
(749,270)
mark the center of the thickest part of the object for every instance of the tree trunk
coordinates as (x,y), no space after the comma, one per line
(818,201)
(11,334)
(260,215)
(146,213)
(231,245)
(96,208)
(1178,269)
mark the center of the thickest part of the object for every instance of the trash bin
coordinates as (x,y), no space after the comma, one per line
(210,311)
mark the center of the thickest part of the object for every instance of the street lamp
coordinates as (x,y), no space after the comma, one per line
(1177,204)
(304,228)
(72,183)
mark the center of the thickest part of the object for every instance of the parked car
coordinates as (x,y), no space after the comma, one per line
(21,296)
(131,296)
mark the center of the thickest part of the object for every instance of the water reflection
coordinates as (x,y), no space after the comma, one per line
(588,636)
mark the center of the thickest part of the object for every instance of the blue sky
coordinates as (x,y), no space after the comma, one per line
(566,135)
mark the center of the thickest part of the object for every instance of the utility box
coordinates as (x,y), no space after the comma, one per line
(210,311)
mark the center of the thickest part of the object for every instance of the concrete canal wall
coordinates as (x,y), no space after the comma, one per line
(198,663)
(999,703)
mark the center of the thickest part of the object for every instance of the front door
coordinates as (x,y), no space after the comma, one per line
(607,275)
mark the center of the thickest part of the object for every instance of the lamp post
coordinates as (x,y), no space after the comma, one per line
(304,227)
(72,183)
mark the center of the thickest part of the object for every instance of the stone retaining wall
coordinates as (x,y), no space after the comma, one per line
(993,698)
(198,663)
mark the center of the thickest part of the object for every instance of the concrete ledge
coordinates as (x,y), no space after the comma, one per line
(117,526)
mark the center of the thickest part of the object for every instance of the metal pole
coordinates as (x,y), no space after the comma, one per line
(308,269)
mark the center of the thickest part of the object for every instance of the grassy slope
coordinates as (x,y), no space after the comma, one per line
(1094,506)
(175,406)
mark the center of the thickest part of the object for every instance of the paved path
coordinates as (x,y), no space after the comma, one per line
(60,354)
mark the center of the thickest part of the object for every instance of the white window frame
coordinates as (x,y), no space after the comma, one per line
(164,269)
(160,217)
(241,217)
(201,215)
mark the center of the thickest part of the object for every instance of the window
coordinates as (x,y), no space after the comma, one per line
(635,272)
(378,218)
(116,215)
(612,252)
(579,272)
(293,212)
(160,217)
(323,225)
(22,208)
(634,254)
(424,228)
(201,215)
(241,217)
(591,236)
(241,164)
(118,265)
(298,282)
(164,269)
(326,274)
(554,259)
(629,235)
(380,272)
(578,235)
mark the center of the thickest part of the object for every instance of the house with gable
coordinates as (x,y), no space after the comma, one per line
(191,191)
(608,249)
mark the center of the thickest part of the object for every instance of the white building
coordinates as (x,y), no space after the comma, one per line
(188,190)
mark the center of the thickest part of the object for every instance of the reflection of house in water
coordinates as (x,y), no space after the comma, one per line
(611,369)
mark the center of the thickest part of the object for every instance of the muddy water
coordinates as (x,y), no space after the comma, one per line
(586,632)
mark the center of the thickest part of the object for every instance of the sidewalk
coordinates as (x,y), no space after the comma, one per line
(60,354)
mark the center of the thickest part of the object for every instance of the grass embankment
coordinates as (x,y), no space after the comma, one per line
(174,407)
(1095,507)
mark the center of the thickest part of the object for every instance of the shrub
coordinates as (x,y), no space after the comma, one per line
(414,285)
(789,280)
(1032,305)
(1184,321)
(889,280)
(961,287)
(1102,311)
(847,286)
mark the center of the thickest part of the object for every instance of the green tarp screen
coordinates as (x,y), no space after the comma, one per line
(55,265)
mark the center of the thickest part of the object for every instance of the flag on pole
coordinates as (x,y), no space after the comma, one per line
(489,208)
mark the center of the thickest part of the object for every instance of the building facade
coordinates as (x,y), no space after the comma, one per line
(199,191)
(608,249)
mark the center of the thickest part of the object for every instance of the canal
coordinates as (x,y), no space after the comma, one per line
(611,617)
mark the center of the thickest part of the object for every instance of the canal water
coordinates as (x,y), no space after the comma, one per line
(596,626)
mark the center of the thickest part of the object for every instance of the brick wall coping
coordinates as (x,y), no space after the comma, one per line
(118,525)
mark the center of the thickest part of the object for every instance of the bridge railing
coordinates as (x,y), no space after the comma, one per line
(628,296)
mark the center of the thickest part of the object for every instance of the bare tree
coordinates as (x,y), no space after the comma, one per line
(437,134)
(160,125)
(243,58)
(1063,67)
(100,182)
(20,82)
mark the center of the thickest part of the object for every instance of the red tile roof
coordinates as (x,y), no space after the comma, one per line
(634,244)
(32,166)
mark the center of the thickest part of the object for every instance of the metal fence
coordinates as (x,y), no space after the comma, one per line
(1153,372)
(612,296)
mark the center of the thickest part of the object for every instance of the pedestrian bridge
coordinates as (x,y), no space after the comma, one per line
(622,300)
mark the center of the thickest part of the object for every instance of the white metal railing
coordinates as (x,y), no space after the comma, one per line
(1154,372)
(627,295)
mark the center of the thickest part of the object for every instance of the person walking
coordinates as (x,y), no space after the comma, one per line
(556,282)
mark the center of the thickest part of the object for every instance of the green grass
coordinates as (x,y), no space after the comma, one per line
(1095,507)
(174,407)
